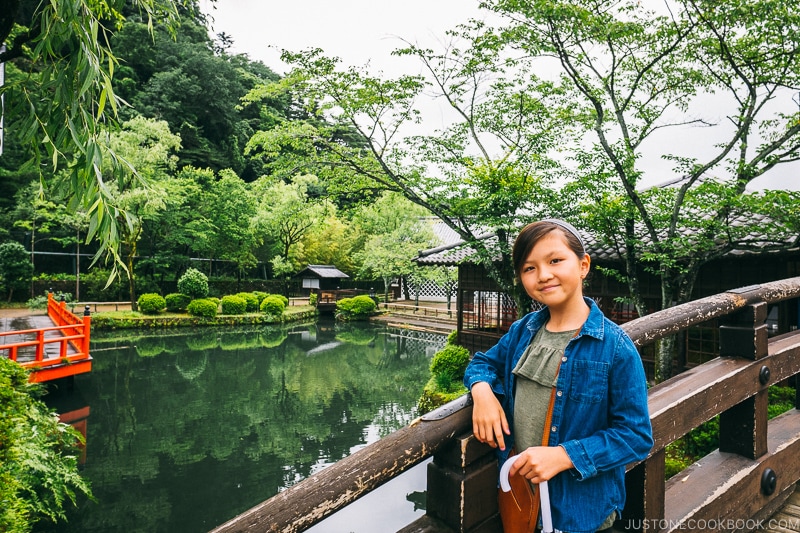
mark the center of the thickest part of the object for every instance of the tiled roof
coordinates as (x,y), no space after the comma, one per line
(322,271)
(455,250)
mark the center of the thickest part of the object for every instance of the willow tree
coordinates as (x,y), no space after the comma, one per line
(637,79)
(64,99)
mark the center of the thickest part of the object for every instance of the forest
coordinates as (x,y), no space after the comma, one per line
(193,188)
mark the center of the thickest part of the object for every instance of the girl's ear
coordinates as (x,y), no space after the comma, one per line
(586,262)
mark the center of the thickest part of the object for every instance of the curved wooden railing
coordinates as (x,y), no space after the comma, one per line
(71,333)
(755,469)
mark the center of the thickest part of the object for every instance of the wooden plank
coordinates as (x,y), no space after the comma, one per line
(723,487)
(697,395)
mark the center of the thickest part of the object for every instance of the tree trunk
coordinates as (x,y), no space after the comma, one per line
(665,356)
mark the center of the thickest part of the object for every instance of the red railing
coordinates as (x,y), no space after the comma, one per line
(69,331)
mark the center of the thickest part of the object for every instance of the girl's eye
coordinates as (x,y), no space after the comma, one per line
(555,261)
(528,269)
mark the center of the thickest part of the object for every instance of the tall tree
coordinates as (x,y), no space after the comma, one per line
(479,173)
(150,147)
(63,46)
(287,212)
(634,74)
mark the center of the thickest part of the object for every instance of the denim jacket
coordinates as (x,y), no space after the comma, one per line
(600,415)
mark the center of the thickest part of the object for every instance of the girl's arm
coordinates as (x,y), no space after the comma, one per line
(489,423)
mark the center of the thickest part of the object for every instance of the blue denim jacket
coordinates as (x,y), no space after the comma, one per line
(600,416)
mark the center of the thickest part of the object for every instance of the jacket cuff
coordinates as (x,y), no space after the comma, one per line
(580,459)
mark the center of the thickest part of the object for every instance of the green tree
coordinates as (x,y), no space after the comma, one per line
(479,173)
(178,77)
(287,211)
(60,117)
(397,232)
(149,146)
(632,74)
(16,267)
(231,208)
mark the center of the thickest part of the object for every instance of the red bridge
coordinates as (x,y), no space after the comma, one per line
(52,346)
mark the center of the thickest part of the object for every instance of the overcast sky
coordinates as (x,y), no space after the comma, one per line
(361,31)
(357,31)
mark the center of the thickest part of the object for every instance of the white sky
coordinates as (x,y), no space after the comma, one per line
(362,31)
(357,31)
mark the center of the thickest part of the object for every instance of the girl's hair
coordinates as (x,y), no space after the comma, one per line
(532,233)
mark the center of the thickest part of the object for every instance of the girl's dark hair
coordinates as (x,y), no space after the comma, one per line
(533,233)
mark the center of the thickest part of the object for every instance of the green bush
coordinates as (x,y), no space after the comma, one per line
(260,295)
(312,298)
(251,300)
(233,305)
(176,302)
(449,363)
(194,283)
(356,308)
(273,305)
(151,303)
(39,473)
(202,307)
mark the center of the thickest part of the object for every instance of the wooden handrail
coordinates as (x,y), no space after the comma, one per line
(735,388)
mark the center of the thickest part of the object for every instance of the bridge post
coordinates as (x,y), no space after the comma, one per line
(87,329)
(462,486)
(645,495)
(743,428)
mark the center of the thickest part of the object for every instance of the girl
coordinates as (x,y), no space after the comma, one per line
(600,421)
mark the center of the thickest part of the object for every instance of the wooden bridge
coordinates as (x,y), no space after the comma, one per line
(52,346)
(748,484)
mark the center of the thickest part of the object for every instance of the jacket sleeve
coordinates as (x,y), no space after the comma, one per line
(628,437)
(490,366)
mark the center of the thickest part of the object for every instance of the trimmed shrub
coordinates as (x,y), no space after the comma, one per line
(273,305)
(312,298)
(260,295)
(356,308)
(177,302)
(151,303)
(251,301)
(233,305)
(194,283)
(451,361)
(202,307)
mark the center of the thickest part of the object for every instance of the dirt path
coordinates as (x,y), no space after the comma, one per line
(14,312)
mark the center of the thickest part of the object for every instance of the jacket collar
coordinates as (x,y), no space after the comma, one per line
(593,326)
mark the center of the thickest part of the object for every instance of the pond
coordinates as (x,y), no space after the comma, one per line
(188,428)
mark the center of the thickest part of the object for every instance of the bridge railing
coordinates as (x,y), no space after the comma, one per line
(69,330)
(756,467)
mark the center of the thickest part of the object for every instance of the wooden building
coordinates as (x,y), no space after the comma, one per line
(485,312)
(316,278)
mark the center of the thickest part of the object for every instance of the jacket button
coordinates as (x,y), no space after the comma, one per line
(558,393)
(563,359)
(553,429)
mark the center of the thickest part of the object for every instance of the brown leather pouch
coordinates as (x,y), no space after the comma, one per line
(519,507)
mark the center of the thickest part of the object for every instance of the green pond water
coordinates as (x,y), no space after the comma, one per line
(188,428)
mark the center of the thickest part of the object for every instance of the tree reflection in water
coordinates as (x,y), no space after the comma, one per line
(188,428)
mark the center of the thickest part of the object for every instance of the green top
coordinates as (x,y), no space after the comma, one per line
(536,371)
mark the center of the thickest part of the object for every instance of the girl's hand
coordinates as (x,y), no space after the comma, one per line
(540,463)
(489,422)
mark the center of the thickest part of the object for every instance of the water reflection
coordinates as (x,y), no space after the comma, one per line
(189,428)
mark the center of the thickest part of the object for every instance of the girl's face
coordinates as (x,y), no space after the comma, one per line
(552,274)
